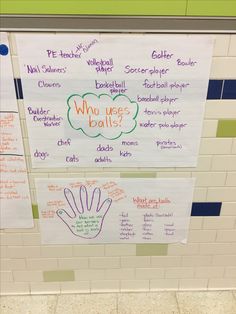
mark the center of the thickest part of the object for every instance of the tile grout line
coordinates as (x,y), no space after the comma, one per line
(222,89)
(56,303)
(229,44)
(178,306)
(186,8)
(117,309)
(234,294)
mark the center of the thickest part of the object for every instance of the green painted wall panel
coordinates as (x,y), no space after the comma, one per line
(35,211)
(226,128)
(113,7)
(138,175)
(211,8)
(58,275)
(152,249)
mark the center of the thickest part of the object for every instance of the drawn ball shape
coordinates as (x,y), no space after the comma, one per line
(4,50)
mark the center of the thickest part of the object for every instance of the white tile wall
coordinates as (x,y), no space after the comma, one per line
(207,261)
(209,272)
(232,46)
(104,262)
(218,222)
(150,273)
(210,178)
(75,287)
(219,146)
(134,285)
(223,67)
(120,273)
(105,285)
(165,261)
(180,272)
(224,163)
(44,288)
(193,284)
(41,264)
(221,45)
(217,109)
(164,284)
(73,263)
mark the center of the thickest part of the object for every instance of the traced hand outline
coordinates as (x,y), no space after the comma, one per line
(87,219)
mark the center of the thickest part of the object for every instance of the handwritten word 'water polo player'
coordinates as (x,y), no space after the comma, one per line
(87,219)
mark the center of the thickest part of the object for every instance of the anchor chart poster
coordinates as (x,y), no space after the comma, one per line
(15,203)
(113,100)
(97,210)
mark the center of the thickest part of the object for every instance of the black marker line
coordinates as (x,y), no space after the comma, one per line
(16,88)
(4,111)
(11,155)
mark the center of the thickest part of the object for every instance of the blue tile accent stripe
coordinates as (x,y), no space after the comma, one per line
(18,88)
(206,209)
(217,89)
(229,91)
(221,89)
(214,89)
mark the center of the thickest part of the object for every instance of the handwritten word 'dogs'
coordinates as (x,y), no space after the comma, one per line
(102,115)
(41,155)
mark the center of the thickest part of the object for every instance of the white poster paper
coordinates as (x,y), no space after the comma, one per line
(15,203)
(97,210)
(113,100)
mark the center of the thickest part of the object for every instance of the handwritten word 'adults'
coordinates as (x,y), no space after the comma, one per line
(138,70)
(102,159)
(163,54)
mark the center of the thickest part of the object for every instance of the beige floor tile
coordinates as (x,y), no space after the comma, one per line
(28,304)
(212,302)
(147,303)
(234,293)
(87,304)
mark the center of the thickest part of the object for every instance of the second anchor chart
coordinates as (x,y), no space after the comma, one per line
(110,100)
